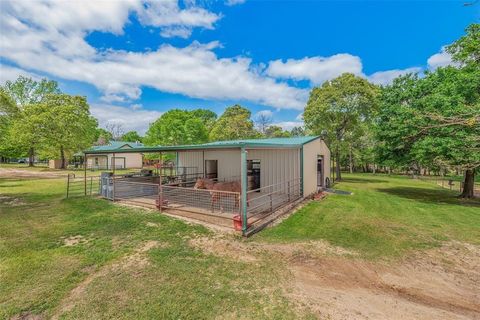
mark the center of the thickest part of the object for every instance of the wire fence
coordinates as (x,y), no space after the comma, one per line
(177,192)
(202,200)
(79,186)
(449,183)
(271,197)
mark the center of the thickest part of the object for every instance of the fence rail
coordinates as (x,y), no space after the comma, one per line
(208,201)
(79,186)
(263,204)
(449,183)
(271,197)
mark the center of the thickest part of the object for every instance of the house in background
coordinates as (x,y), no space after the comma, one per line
(107,156)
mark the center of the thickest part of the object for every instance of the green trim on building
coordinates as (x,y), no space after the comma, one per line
(294,142)
(243,194)
(301,171)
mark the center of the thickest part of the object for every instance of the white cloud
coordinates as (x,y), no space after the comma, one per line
(316,69)
(234,2)
(129,118)
(171,32)
(386,77)
(266,113)
(289,125)
(441,59)
(12,73)
(177,22)
(56,46)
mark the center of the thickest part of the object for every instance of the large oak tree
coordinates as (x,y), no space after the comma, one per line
(338,107)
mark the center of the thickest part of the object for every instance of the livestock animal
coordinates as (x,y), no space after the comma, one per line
(209,184)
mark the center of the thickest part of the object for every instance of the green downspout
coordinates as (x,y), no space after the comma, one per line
(243,194)
(176,163)
(301,171)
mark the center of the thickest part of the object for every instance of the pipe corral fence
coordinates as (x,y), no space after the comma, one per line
(173,192)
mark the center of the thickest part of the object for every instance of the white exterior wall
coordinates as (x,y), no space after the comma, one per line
(191,159)
(276,165)
(311,151)
(228,161)
(132,160)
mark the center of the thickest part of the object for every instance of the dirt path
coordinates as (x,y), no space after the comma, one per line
(441,283)
(30,174)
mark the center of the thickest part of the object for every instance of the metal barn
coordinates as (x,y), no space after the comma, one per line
(252,181)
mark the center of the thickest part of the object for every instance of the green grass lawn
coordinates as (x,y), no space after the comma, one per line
(385,216)
(37,270)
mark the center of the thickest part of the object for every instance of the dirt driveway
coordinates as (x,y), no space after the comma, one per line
(30,174)
(331,283)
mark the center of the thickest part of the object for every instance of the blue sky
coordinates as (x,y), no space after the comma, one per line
(135,59)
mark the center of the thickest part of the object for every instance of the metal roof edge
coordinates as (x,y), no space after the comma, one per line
(310,140)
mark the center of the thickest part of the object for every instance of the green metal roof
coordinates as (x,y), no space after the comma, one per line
(247,143)
(115,145)
(293,141)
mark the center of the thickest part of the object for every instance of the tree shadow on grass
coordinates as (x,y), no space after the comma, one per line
(430,196)
(363,180)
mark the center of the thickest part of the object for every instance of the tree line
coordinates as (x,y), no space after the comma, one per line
(419,123)
(38,120)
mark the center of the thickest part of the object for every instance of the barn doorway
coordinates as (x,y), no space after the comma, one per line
(211,169)
(253,175)
(320,171)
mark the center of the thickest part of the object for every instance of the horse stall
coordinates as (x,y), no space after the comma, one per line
(241,184)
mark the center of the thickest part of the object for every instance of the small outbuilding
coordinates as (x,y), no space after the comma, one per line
(110,155)
(246,181)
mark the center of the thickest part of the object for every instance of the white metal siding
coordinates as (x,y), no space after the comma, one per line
(311,151)
(276,165)
(132,160)
(191,159)
(228,162)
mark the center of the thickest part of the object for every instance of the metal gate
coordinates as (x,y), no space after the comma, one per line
(80,187)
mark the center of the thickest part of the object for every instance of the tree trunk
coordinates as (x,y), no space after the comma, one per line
(469,184)
(374,169)
(350,160)
(62,157)
(333,171)
(337,165)
(31,157)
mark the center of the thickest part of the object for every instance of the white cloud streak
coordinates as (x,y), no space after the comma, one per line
(12,73)
(387,77)
(441,59)
(289,125)
(234,2)
(315,69)
(129,118)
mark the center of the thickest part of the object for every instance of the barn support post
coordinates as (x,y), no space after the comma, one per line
(203,161)
(113,176)
(301,171)
(243,193)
